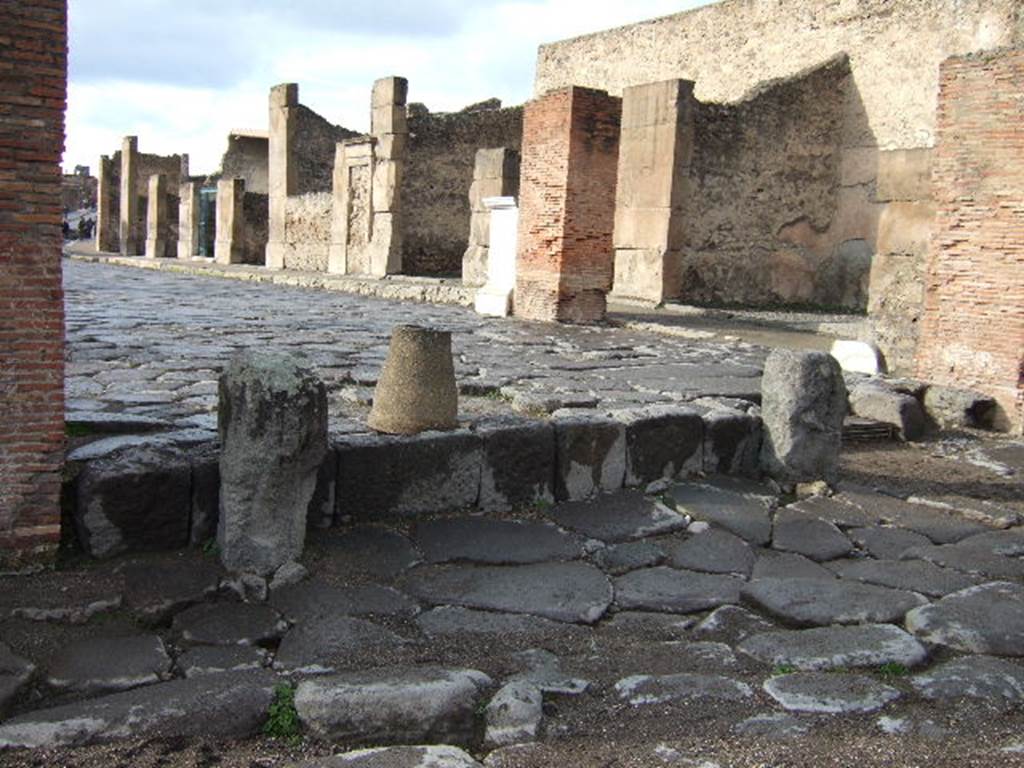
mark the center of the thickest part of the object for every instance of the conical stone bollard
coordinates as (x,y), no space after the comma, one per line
(416,390)
(273,434)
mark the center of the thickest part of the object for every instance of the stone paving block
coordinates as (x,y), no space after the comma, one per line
(829,693)
(985,619)
(820,602)
(618,517)
(642,690)
(453,621)
(732,442)
(514,715)
(308,599)
(967,560)
(543,670)
(937,524)
(887,543)
(430,756)
(497,542)
(742,514)
(629,556)
(661,442)
(590,456)
(215,659)
(518,465)
(824,648)
(714,551)
(732,623)
(318,644)
(999,682)
(675,591)
(156,589)
(775,726)
(107,664)
(229,624)
(911,575)
(809,536)
(373,550)
(787,565)
(381,476)
(15,674)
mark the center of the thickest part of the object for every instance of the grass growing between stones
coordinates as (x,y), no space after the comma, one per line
(282,719)
(893,669)
(783,669)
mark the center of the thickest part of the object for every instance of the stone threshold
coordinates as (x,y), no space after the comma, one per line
(429,290)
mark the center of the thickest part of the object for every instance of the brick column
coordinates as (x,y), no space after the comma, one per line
(567,205)
(33,63)
(654,164)
(156,217)
(229,247)
(108,205)
(128,227)
(495,174)
(282,173)
(188,220)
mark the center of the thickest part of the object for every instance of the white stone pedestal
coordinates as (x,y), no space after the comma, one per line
(495,298)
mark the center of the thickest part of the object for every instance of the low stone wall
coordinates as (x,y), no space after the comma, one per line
(315,139)
(308,231)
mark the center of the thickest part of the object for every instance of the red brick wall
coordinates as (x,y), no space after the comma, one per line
(972,332)
(565,259)
(33,87)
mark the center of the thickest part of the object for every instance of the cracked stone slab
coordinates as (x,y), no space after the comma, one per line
(428,756)
(229,624)
(449,621)
(732,623)
(968,560)
(675,591)
(714,551)
(811,537)
(887,543)
(746,515)
(911,575)
(618,517)
(214,659)
(999,682)
(825,648)
(496,542)
(641,690)
(937,524)
(835,510)
(986,619)
(373,549)
(629,556)
(318,644)
(787,565)
(514,715)
(299,602)
(829,692)
(820,602)
(569,592)
(106,664)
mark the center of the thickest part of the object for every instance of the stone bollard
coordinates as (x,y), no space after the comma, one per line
(416,390)
(273,434)
(803,407)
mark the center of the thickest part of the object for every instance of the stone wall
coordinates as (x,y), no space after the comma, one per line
(972,331)
(308,231)
(438,174)
(255,206)
(77,191)
(33,92)
(246,158)
(315,139)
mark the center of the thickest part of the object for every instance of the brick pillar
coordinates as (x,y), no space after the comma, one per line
(128,227)
(33,60)
(156,217)
(108,206)
(495,174)
(567,205)
(654,163)
(188,220)
(282,173)
(229,247)
(972,331)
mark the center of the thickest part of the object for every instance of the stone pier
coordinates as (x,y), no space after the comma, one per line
(495,174)
(129,217)
(108,205)
(229,247)
(188,220)
(281,170)
(156,217)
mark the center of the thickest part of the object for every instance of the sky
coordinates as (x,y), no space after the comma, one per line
(181,74)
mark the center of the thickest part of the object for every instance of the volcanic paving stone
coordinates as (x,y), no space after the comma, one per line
(732,442)
(514,715)
(590,456)
(15,672)
(675,591)
(157,589)
(300,602)
(622,558)
(229,624)
(732,623)
(214,659)
(107,664)
(938,525)
(745,515)
(836,511)
(232,705)
(887,543)
(374,550)
(499,542)
(640,690)
(617,517)
(835,647)
(319,643)
(911,575)
(1009,543)
(662,625)
(393,706)
(808,536)
(543,670)
(713,551)
(454,621)
(829,693)
(787,565)
(570,592)
(431,756)
(662,441)
(820,602)
(968,560)
(518,463)
(985,619)
(997,681)
(774,726)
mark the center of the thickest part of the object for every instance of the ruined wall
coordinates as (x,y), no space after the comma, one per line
(246,159)
(438,174)
(256,209)
(77,191)
(308,231)
(315,138)
(33,93)
(972,331)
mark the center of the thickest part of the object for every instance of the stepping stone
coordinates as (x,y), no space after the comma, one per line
(318,644)
(569,592)
(786,565)
(985,619)
(820,602)
(543,670)
(661,624)
(1008,543)
(70,597)
(227,706)
(373,550)
(746,515)
(829,693)
(156,590)
(836,647)
(432,756)
(702,654)
(641,690)
(623,558)
(618,517)
(808,536)
(308,599)
(713,551)
(674,591)
(15,673)
(409,705)
(229,624)
(834,510)
(454,621)
(998,682)
(213,659)
(514,715)
(887,543)
(935,523)
(775,726)
(498,542)
(968,560)
(911,575)
(107,664)
(732,623)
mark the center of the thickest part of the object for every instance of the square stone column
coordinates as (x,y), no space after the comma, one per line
(128,227)
(495,298)
(655,153)
(282,173)
(156,217)
(567,205)
(229,247)
(188,220)
(495,174)
(108,206)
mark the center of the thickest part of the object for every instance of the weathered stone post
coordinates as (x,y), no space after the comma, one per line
(129,226)
(229,246)
(108,207)
(156,217)
(495,174)
(273,433)
(803,407)
(282,173)
(389,127)
(188,220)
(495,298)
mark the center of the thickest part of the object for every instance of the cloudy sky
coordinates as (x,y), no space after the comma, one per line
(180,74)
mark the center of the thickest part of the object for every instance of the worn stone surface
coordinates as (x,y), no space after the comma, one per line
(374,550)
(629,556)
(431,756)
(590,456)
(985,619)
(821,602)
(273,431)
(713,551)
(229,624)
(732,623)
(318,644)
(912,575)
(107,664)
(518,465)
(787,565)
(732,442)
(618,517)
(746,515)
(661,442)
(15,673)
(775,726)
(643,690)
(968,560)
(887,543)
(449,621)
(939,525)
(829,693)
(312,598)
(804,535)
(543,670)
(499,542)
(155,591)
(675,591)
(665,625)
(995,681)
(393,706)
(826,648)
(514,715)
(214,659)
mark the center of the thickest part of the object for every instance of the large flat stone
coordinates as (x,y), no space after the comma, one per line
(514,715)
(157,588)
(431,756)
(675,591)
(829,693)
(826,648)
(214,659)
(985,619)
(1008,543)
(968,560)
(732,623)
(809,536)
(999,682)
(641,690)
(617,517)
(629,556)
(911,575)
(543,670)
(308,599)
(107,664)
(836,510)
(229,624)
(569,592)
(374,550)
(887,543)
(15,673)
(393,706)
(448,621)
(937,524)
(498,542)
(744,514)
(820,602)
(714,551)
(319,644)
(787,565)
